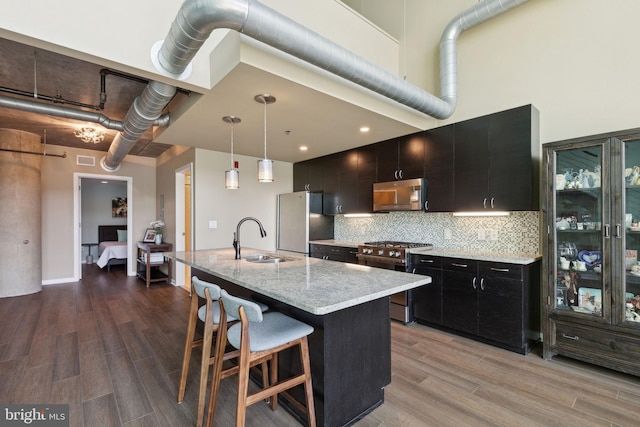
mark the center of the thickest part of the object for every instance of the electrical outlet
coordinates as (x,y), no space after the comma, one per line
(481,234)
(493,234)
(213,224)
(447,234)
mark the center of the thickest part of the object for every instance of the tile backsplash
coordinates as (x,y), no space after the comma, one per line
(517,233)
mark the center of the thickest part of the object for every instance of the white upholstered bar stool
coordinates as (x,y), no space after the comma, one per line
(259,337)
(209,314)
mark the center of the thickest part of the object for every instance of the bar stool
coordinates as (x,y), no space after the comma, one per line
(259,337)
(209,313)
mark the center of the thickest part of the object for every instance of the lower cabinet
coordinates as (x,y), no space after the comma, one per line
(497,303)
(334,253)
(427,299)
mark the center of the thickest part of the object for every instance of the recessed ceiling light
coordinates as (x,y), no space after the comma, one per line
(104,182)
(303,148)
(364,129)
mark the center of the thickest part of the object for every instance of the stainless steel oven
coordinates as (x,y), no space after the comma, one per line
(391,255)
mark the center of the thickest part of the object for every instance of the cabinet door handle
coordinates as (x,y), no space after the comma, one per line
(400,174)
(413,271)
(570,337)
(492,200)
(502,270)
(395,174)
(426,205)
(618,231)
(459,265)
(607,232)
(482,284)
(484,203)
(426,261)
(473,283)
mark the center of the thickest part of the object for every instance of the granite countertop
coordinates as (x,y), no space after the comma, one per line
(345,243)
(511,258)
(476,254)
(310,284)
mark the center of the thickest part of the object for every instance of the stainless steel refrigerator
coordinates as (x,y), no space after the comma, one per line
(300,220)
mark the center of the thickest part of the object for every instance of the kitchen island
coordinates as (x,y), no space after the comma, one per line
(348,306)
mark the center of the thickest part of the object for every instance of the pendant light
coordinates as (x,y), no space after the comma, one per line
(265,166)
(232,176)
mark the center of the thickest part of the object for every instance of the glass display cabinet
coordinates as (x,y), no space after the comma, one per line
(591,272)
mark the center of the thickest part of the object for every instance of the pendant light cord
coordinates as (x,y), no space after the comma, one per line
(232,126)
(265,128)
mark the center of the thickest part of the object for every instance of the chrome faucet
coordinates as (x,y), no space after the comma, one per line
(236,235)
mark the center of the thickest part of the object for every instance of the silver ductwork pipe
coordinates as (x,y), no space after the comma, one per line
(145,110)
(70,113)
(198,18)
(449,43)
(59,111)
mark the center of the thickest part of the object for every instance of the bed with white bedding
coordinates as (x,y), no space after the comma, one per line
(112,246)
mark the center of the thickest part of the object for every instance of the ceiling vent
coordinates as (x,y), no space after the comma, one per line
(85,160)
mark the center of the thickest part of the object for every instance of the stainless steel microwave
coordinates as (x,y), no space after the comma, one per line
(405,195)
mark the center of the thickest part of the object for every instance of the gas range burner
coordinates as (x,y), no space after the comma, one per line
(393,244)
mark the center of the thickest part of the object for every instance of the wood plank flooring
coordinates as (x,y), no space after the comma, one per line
(111,348)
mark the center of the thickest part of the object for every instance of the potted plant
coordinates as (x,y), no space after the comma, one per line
(158,227)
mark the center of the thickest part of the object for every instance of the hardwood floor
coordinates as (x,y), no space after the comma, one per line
(111,348)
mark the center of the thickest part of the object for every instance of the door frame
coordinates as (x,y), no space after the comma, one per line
(77,220)
(180,216)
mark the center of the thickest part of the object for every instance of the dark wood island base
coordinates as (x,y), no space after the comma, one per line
(350,353)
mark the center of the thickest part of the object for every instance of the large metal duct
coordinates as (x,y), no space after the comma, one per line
(196,19)
(145,109)
(69,113)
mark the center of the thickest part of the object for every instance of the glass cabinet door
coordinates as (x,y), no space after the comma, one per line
(631,276)
(581,225)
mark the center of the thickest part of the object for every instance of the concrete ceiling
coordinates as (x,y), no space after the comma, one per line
(300,115)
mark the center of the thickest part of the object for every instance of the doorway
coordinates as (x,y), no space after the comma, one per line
(79,242)
(184,222)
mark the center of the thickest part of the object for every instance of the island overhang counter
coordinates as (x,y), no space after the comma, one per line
(348,306)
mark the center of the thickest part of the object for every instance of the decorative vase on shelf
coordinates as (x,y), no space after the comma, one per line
(158,239)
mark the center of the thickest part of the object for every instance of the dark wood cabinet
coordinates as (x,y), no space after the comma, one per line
(497,303)
(427,299)
(471,164)
(367,175)
(460,295)
(149,267)
(514,160)
(502,303)
(401,158)
(308,175)
(438,168)
(591,245)
(334,253)
(496,163)
(490,162)
(340,176)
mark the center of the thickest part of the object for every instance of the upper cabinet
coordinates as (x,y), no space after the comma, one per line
(401,158)
(438,168)
(496,163)
(487,163)
(308,175)
(339,183)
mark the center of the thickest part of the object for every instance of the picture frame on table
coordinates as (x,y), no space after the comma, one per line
(149,235)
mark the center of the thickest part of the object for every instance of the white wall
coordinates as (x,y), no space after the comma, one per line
(575,60)
(227,207)
(57,205)
(213,202)
(96,207)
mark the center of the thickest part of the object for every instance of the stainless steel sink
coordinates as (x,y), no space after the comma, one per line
(265,259)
